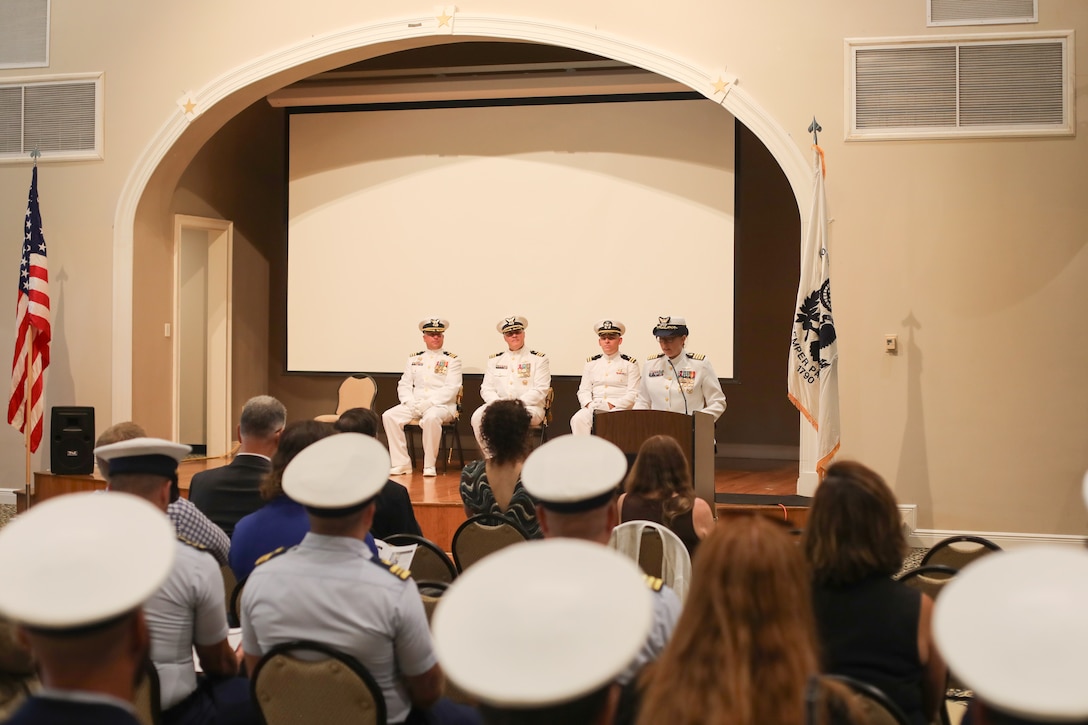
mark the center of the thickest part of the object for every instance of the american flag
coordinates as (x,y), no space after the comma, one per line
(32,323)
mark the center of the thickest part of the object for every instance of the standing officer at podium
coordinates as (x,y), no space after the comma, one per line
(610,379)
(514,374)
(677,380)
(428,391)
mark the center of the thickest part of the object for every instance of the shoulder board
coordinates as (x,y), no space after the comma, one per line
(538,354)
(653,582)
(628,358)
(190,542)
(417,354)
(448,353)
(496,354)
(654,357)
(695,355)
(595,357)
(393,569)
(270,555)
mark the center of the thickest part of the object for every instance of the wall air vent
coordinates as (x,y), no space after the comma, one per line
(24,33)
(61,117)
(981,12)
(975,86)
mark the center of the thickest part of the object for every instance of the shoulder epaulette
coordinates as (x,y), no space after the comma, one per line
(270,555)
(535,352)
(653,582)
(628,358)
(393,569)
(595,357)
(417,354)
(497,354)
(189,542)
(695,355)
(654,357)
(447,353)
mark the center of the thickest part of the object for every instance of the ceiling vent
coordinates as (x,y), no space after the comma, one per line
(981,12)
(24,33)
(979,86)
(62,118)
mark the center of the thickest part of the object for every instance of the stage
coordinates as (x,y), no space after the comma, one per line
(741,485)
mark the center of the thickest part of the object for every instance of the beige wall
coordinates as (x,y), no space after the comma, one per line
(972,251)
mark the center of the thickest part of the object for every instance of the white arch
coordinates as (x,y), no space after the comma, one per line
(731,97)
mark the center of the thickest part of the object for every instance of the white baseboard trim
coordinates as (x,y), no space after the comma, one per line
(7,496)
(926,538)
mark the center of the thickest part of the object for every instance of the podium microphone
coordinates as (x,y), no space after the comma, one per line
(677,376)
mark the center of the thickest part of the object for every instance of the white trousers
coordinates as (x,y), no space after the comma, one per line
(581,423)
(431,422)
(478,419)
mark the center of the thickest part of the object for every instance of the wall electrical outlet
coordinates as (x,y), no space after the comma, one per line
(891,344)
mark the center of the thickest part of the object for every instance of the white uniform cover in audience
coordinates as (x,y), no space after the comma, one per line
(610,379)
(678,380)
(427,390)
(74,580)
(516,373)
(574,481)
(1012,627)
(330,588)
(572,615)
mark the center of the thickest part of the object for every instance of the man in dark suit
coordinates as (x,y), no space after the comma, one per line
(227,494)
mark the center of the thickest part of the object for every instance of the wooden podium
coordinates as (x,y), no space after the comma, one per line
(628,429)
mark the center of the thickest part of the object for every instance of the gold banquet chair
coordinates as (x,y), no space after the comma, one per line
(336,688)
(357,391)
(481,535)
(429,563)
(549,398)
(958,551)
(876,707)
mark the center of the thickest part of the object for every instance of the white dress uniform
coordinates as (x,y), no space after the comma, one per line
(329,589)
(605,379)
(522,375)
(187,610)
(686,385)
(427,390)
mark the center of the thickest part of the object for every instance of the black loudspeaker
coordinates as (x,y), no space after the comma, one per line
(71,449)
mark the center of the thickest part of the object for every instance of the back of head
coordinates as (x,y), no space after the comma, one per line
(853,530)
(262,417)
(505,430)
(747,630)
(661,473)
(116,433)
(296,436)
(358,420)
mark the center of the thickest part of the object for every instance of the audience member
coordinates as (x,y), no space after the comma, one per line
(493,485)
(427,391)
(188,612)
(744,651)
(854,544)
(610,379)
(1012,628)
(574,480)
(190,523)
(659,489)
(513,374)
(569,615)
(281,522)
(228,493)
(76,569)
(394,514)
(677,380)
(331,589)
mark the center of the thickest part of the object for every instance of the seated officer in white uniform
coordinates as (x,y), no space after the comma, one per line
(514,374)
(610,379)
(428,391)
(188,612)
(1012,626)
(677,380)
(575,480)
(568,616)
(75,570)
(330,589)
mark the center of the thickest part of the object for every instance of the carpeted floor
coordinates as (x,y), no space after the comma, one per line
(7,513)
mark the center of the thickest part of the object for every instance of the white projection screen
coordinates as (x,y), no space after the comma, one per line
(562,213)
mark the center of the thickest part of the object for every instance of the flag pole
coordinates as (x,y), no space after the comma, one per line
(26,422)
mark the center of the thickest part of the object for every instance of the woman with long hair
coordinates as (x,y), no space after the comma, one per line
(659,489)
(744,650)
(854,543)
(493,485)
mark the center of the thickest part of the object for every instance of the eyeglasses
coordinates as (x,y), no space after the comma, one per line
(434,334)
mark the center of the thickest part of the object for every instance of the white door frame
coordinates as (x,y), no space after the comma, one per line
(219,420)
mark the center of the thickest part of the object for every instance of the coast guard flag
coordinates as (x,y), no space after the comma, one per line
(31,324)
(813,370)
